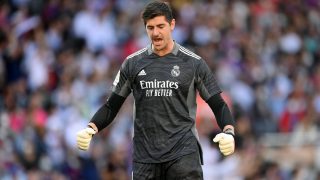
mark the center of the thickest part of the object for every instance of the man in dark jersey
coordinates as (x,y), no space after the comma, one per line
(164,78)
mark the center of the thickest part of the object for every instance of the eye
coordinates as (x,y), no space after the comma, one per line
(150,27)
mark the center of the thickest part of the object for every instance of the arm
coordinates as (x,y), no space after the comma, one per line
(107,112)
(222,113)
(225,122)
(210,91)
(101,119)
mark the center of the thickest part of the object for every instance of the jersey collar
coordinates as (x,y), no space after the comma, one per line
(174,51)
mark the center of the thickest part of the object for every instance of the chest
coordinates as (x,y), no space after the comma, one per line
(164,75)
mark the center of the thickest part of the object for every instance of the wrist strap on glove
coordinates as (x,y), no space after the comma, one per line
(229,131)
(91,128)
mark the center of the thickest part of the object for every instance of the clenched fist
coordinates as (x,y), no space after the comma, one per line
(84,137)
(226,143)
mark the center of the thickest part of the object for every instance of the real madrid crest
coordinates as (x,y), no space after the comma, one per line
(175,72)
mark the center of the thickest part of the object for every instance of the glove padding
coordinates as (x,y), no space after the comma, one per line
(84,137)
(226,143)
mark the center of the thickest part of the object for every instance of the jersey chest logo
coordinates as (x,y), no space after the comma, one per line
(175,72)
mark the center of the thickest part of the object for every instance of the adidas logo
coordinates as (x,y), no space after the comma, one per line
(142,73)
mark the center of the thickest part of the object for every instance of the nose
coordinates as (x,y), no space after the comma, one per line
(155,32)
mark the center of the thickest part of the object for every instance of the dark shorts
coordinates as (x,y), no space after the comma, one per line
(184,168)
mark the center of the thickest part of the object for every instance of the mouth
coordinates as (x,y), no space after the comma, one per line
(157,41)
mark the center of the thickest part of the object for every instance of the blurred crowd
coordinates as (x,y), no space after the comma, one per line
(58,59)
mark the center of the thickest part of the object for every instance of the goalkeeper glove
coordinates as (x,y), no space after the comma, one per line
(84,137)
(226,143)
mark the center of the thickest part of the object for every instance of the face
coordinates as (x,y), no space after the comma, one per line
(159,32)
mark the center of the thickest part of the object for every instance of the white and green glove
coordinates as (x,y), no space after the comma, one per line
(84,137)
(226,143)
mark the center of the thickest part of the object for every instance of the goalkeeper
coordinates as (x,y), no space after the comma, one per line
(164,78)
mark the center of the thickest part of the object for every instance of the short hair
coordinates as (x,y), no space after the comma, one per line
(157,8)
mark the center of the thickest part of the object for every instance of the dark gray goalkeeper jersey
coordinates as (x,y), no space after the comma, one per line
(164,90)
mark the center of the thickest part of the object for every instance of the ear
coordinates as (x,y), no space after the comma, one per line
(172,24)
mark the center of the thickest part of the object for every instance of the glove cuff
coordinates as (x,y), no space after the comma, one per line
(92,127)
(229,131)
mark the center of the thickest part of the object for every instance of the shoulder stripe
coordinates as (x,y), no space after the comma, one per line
(188,52)
(117,78)
(137,53)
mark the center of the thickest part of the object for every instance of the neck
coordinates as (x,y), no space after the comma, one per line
(165,50)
